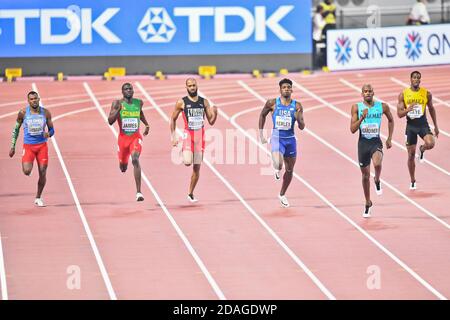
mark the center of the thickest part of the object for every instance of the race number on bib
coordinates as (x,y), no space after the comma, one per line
(416,112)
(370,130)
(35,127)
(130,124)
(283,123)
(195,122)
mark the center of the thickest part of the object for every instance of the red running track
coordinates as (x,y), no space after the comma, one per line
(236,243)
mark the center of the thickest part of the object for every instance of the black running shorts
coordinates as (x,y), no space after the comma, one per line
(366,148)
(412,132)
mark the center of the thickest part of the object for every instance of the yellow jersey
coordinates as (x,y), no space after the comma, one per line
(419,100)
(330,18)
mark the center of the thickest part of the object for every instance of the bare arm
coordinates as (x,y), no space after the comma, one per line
(144,121)
(402,110)
(355,122)
(432,113)
(211,112)
(388,114)
(51,130)
(268,107)
(114,113)
(299,115)
(179,106)
(15,132)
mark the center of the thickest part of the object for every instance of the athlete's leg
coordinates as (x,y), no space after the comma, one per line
(429,142)
(377,159)
(27,167)
(198,157)
(42,161)
(365,171)
(278,159)
(289,163)
(137,170)
(188,157)
(27,159)
(411,161)
(42,179)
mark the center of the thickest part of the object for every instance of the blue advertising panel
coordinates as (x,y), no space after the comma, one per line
(178,27)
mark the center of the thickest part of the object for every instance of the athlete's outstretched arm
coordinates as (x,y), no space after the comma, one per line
(15,132)
(355,122)
(144,121)
(432,113)
(114,113)
(299,115)
(402,110)
(173,121)
(211,112)
(388,114)
(268,107)
(51,129)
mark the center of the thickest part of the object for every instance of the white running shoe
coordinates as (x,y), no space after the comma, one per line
(277,175)
(38,202)
(283,201)
(139,197)
(191,198)
(366,213)
(413,186)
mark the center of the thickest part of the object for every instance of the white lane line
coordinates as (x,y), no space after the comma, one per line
(297,260)
(180,233)
(87,229)
(331,205)
(351,85)
(4,288)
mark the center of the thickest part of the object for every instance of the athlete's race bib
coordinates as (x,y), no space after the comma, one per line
(35,127)
(130,124)
(370,130)
(416,112)
(195,122)
(283,123)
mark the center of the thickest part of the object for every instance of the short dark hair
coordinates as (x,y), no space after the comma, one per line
(285,80)
(416,72)
(32,93)
(126,84)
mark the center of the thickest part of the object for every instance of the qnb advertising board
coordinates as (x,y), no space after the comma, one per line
(388,47)
(172,27)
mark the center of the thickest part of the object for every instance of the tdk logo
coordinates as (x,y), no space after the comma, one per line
(80,23)
(156,26)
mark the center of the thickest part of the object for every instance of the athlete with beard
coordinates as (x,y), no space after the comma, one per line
(34,119)
(194,109)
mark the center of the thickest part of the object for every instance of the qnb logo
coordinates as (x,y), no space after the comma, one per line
(413,46)
(343,50)
(156,26)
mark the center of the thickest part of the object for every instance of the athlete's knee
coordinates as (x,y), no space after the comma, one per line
(27,172)
(135,161)
(430,144)
(187,163)
(411,156)
(365,176)
(123,167)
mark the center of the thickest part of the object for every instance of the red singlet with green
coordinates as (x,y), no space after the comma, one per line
(129,117)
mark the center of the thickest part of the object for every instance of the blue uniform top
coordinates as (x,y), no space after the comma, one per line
(33,126)
(370,127)
(283,118)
